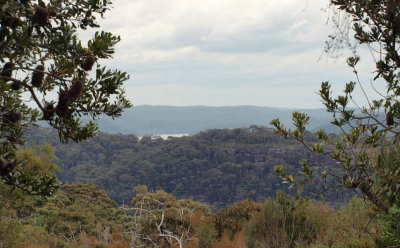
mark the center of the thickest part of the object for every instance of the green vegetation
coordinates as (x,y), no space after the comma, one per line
(367,150)
(82,215)
(42,57)
(218,167)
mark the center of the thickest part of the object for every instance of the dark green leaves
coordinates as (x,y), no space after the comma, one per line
(102,44)
(43,35)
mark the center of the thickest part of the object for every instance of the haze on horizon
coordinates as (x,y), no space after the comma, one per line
(226,52)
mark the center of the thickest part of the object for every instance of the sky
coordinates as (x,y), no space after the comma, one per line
(225,52)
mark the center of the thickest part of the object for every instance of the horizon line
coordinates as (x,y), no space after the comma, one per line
(223,106)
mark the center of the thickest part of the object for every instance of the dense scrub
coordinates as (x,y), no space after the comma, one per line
(83,216)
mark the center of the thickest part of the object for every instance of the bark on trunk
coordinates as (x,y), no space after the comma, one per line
(366,190)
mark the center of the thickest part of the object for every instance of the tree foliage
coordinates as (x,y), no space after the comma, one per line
(226,165)
(46,73)
(367,151)
(161,220)
(82,215)
(15,203)
(78,208)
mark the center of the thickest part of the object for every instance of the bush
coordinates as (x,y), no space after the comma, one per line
(280,223)
(389,232)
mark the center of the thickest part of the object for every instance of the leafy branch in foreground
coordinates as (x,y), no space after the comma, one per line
(46,75)
(366,154)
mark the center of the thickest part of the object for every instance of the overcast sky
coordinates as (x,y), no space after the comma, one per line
(224,52)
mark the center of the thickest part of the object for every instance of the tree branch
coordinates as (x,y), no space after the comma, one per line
(30,88)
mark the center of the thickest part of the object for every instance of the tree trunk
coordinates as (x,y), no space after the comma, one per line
(366,190)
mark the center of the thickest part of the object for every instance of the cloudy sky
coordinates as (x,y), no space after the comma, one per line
(224,52)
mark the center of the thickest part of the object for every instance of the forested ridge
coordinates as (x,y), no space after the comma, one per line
(218,167)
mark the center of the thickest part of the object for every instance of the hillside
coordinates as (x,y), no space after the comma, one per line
(218,167)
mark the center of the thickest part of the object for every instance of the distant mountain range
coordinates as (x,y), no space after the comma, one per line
(154,120)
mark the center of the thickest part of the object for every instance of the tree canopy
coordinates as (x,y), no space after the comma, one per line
(226,165)
(367,152)
(47,75)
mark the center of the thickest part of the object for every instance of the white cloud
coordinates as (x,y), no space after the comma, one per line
(223,52)
(180,95)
